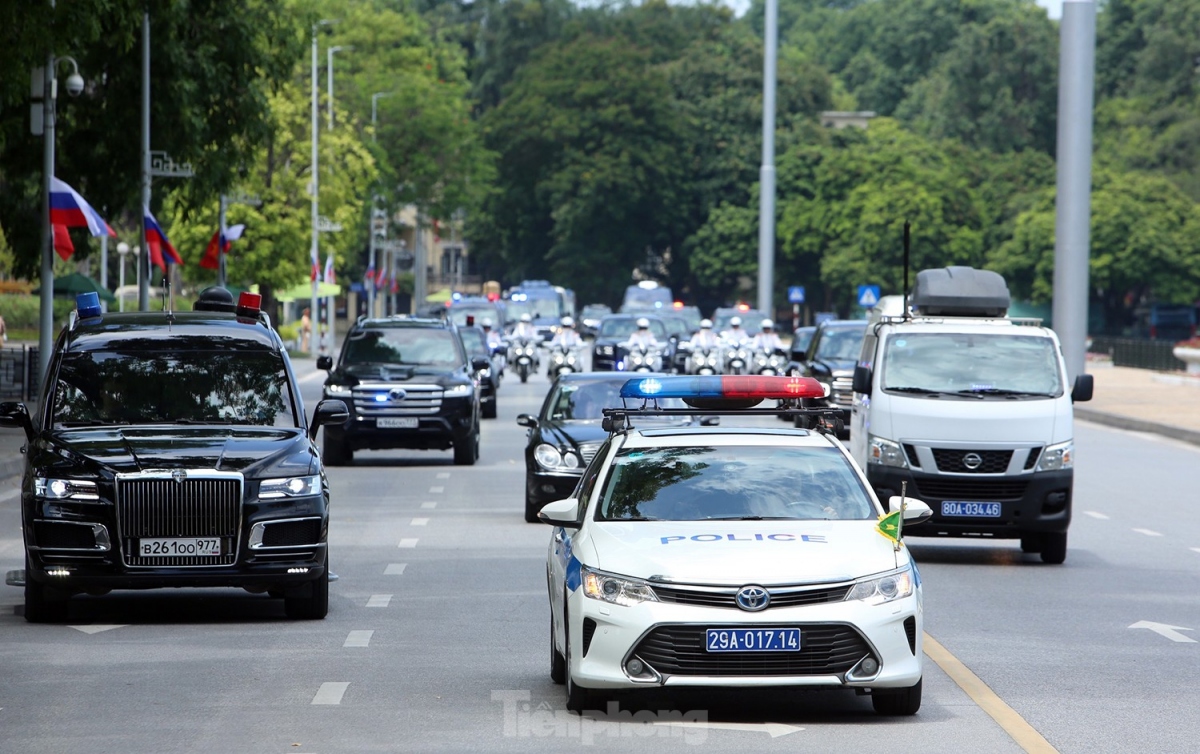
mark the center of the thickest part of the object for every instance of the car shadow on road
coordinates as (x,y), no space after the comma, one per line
(164,607)
(984,552)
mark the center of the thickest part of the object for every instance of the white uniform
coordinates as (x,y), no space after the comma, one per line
(735,336)
(525,330)
(566,338)
(642,338)
(767,341)
(706,339)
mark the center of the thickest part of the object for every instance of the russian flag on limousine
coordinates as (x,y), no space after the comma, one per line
(69,209)
(157,242)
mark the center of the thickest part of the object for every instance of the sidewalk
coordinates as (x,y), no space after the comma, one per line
(1135,399)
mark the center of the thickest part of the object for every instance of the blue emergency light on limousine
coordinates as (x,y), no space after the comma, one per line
(88,304)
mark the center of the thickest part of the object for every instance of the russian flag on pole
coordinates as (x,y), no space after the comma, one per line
(69,209)
(62,241)
(329,274)
(157,242)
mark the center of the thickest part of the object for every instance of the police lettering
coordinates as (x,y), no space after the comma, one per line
(777,537)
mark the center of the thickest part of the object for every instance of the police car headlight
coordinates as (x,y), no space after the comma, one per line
(615,589)
(296,486)
(458,391)
(885,453)
(547,456)
(337,390)
(877,591)
(1055,457)
(65,489)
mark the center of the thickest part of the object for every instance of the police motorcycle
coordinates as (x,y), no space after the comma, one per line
(523,355)
(642,358)
(737,357)
(563,360)
(704,359)
(769,363)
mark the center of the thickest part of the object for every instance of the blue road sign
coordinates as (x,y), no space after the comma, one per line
(795,294)
(868,296)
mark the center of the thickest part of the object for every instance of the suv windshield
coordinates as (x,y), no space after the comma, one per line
(412,346)
(733,483)
(173,386)
(843,343)
(623,328)
(473,341)
(974,363)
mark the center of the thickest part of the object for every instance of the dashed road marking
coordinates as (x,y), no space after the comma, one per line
(395,569)
(443,475)
(1094,514)
(331,692)
(408,542)
(358,639)
(1195,549)
(381,600)
(1148,532)
(428,506)
(420,521)
(437,490)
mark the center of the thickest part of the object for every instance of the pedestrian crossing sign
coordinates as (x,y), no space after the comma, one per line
(868,296)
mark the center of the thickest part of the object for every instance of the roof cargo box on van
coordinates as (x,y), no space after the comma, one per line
(960,292)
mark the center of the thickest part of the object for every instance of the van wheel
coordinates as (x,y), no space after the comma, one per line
(1054,547)
(897,701)
(43,604)
(1031,543)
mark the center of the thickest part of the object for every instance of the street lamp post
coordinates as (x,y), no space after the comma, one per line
(375,110)
(766,176)
(315,250)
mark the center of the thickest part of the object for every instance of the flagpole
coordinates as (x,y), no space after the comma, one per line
(46,311)
(143,260)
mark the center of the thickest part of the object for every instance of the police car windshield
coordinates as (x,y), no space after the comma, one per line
(978,364)
(185,386)
(731,483)
(404,346)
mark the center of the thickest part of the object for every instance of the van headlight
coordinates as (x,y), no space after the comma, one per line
(877,591)
(296,486)
(615,589)
(458,391)
(885,453)
(1055,457)
(65,489)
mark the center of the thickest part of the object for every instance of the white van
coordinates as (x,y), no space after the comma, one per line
(971,409)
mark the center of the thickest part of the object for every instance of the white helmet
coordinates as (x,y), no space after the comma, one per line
(767,324)
(526,318)
(486,323)
(706,324)
(643,323)
(568,322)
(735,322)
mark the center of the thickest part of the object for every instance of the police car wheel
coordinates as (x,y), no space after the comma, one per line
(897,701)
(43,604)
(1054,547)
(309,601)
(558,663)
(578,698)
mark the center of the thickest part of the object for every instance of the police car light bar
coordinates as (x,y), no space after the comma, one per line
(737,387)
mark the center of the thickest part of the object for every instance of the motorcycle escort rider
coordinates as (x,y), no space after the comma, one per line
(768,340)
(495,343)
(705,338)
(735,335)
(565,341)
(642,337)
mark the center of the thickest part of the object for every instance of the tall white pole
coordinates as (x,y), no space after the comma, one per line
(766,177)
(1076,84)
(314,314)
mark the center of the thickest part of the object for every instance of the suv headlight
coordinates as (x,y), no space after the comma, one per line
(458,391)
(1055,457)
(615,589)
(65,489)
(337,390)
(893,586)
(885,452)
(296,486)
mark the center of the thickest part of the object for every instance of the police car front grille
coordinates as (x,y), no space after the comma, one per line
(780,596)
(952,460)
(376,400)
(158,506)
(825,649)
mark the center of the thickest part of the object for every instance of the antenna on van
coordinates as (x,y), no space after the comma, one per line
(904,290)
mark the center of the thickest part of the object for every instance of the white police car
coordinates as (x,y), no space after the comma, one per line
(731,556)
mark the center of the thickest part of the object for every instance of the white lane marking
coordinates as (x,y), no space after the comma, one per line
(1148,532)
(1163,629)
(331,692)
(1195,549)
(408,542)
(437,490)
(395,569)
(10,495)
(358,639)
(97,628)
(381,600)
(318,375)
(775,729)
(1094,514)
(428,506)
(420,521)
(443,475)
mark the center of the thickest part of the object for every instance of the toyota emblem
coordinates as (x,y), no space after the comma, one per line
(397,394)
(753,598)
(972,461)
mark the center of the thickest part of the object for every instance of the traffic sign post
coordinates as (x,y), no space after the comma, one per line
(796,294)
(868,296)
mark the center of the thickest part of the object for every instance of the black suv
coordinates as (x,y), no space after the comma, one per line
(409,384)
(172,450)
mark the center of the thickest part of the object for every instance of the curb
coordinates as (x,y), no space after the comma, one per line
(1117,421)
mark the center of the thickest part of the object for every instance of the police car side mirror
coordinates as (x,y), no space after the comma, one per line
(862,380)
(915,511)
(324,362)
(14,414)
(527,420)
(1082,391)
(564,513)
(329,411)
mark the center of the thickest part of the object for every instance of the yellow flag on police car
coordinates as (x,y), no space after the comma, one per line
(889,525)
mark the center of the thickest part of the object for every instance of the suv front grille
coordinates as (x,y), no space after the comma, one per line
(825,649)
(375,399)
(951,460)
(841,392)
(155,505)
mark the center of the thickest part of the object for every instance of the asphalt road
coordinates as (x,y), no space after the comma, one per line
(437,640)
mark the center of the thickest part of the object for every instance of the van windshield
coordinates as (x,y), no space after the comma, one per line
(978,364)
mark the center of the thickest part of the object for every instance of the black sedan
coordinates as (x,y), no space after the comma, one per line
(475,342)
(615,329)
(831,357)
(565,435)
